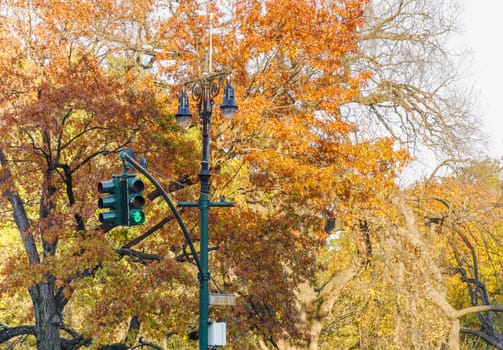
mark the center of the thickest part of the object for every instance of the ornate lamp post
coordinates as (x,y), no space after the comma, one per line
(203,90)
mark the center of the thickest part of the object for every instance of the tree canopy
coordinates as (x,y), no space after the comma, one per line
(323,249)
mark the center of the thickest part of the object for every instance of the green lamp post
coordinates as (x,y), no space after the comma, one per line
(203,90)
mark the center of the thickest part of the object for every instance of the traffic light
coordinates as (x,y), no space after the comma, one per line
(124,200)
(113,201)
(135,204)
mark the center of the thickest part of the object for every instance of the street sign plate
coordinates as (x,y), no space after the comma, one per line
(222,299)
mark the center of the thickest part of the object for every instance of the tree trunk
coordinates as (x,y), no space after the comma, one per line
(47,313)
(47,316)
(453,341)
(315,305)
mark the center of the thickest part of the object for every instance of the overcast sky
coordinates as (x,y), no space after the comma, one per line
(482,32)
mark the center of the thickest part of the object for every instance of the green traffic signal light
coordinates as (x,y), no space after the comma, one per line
(137,217)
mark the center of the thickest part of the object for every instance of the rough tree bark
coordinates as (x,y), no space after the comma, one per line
(47,314)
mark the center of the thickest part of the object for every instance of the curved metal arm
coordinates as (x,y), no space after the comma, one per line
(178,218)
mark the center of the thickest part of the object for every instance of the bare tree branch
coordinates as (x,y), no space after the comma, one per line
(7,333)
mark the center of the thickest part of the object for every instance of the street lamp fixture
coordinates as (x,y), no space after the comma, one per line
(228,106)
(204,89)
(183,116)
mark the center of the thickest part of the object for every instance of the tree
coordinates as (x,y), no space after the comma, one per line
(62,111)
(413,93)
(433,264)
(412,96)
(290,152)
(86,80)
(466,208)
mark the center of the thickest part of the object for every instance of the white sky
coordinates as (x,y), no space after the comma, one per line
(482,32)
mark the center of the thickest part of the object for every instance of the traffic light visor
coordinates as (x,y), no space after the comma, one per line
(108,217)
(137,201)
(136,185)
(107,202)
(106,186)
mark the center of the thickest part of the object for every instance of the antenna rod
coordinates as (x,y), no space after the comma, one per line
(211,43)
